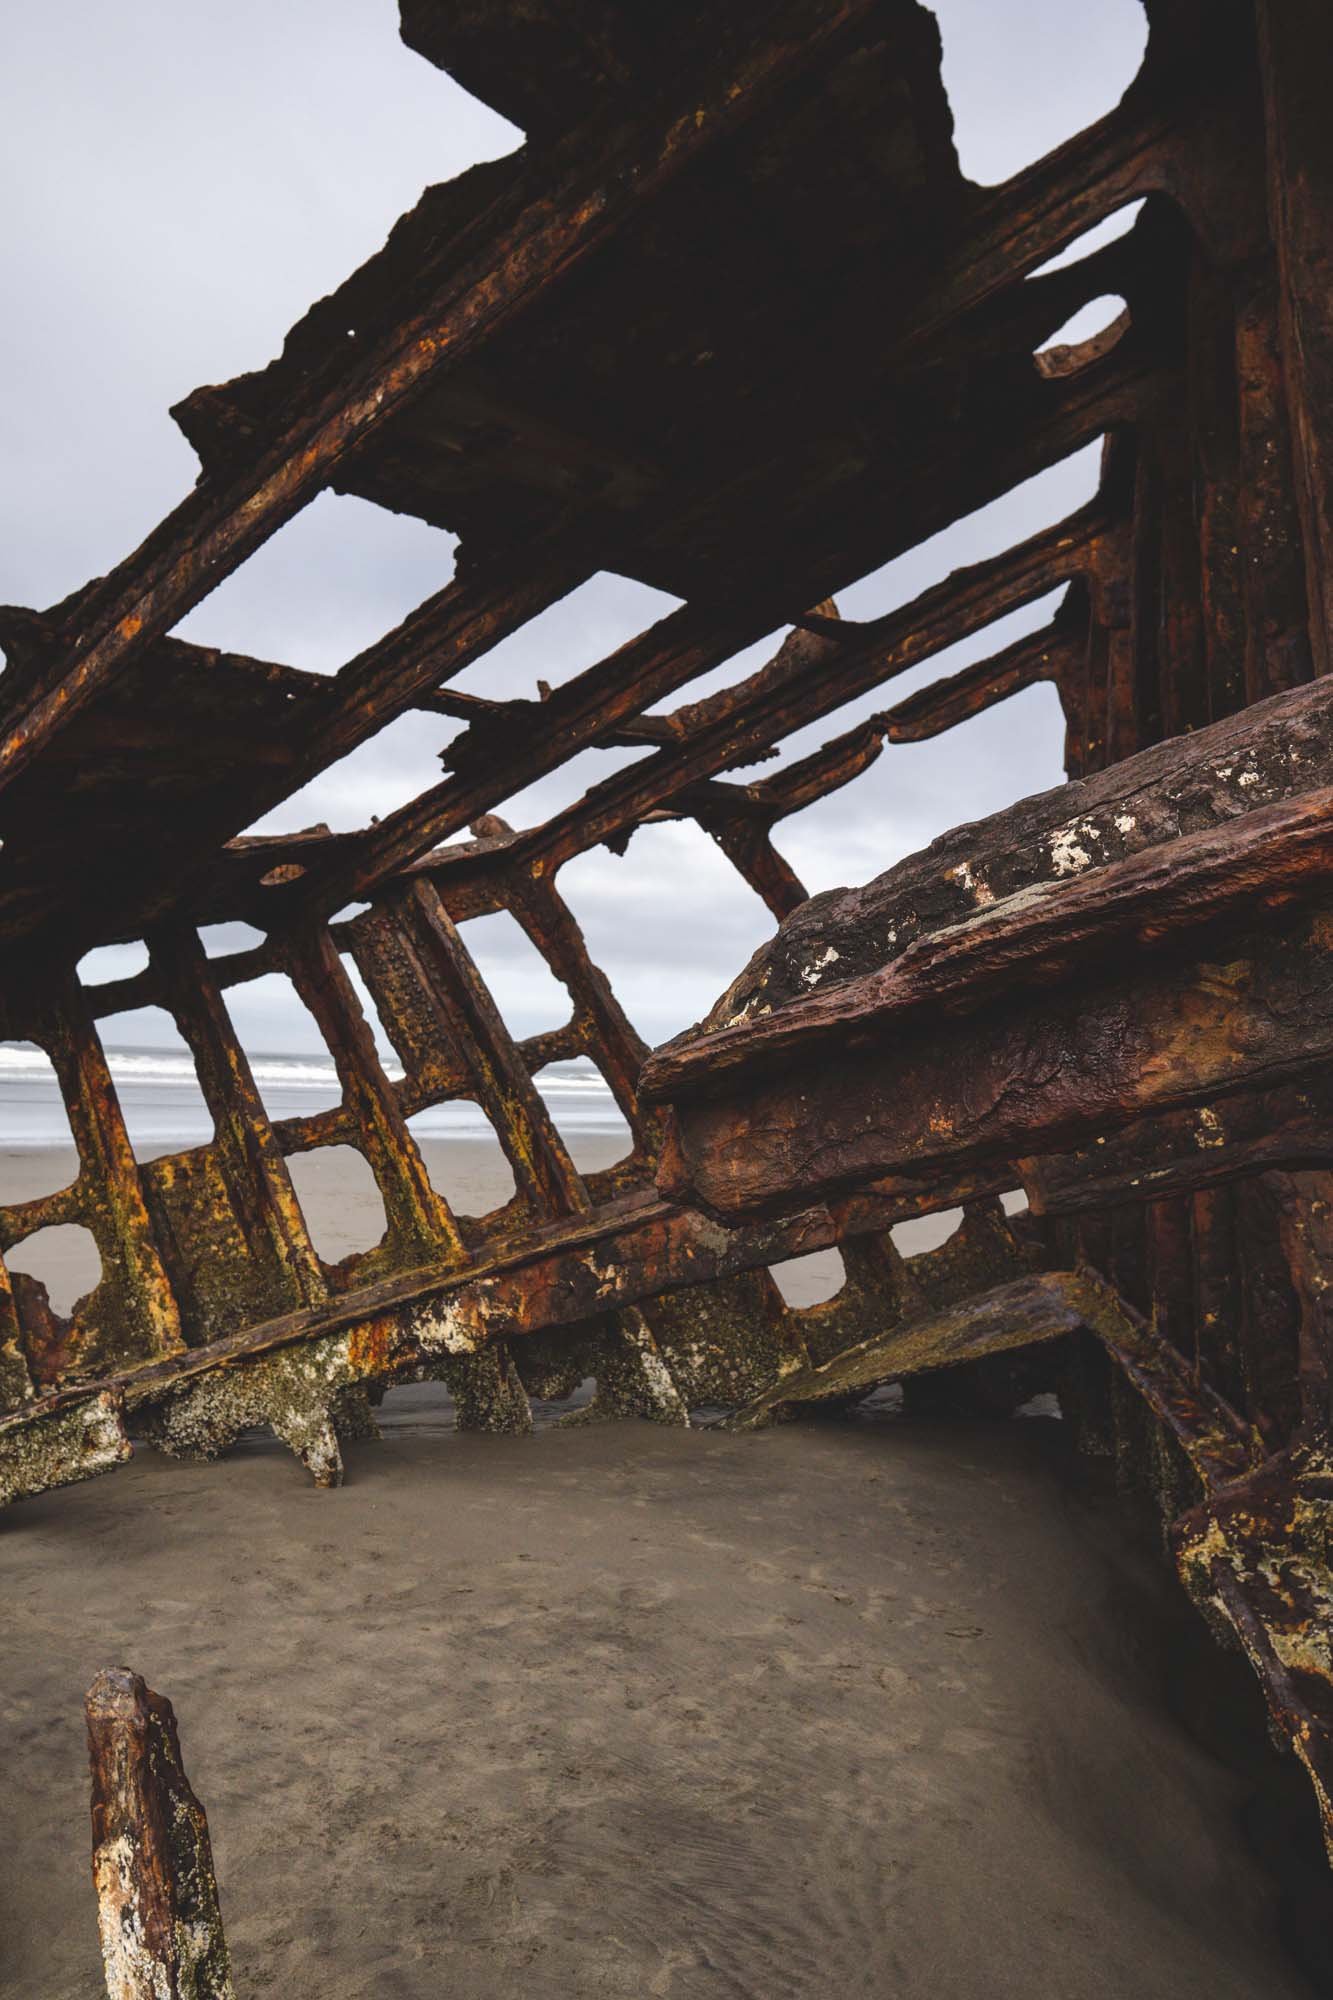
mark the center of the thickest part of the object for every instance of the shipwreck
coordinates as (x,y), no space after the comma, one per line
(733,323)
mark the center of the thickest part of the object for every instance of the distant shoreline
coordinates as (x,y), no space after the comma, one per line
(164,1108)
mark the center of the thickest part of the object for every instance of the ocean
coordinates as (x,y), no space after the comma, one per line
(163,1106)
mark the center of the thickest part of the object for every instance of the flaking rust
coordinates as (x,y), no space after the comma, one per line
(1114,996)
(157,1899)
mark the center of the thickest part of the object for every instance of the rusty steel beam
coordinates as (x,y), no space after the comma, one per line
(250,1162)
(133,1312)
(450,630)
(1230,1138)
(543,238)
(1053,654)
(837,1095)
(1256,1555)
(1296,46)
(157,1898)
(1213,779)
(1275,856)
(815,675)
(291,1372)
(1020,1314)
(1254,1550)
(420,1225)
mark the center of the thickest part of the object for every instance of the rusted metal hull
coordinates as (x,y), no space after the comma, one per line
(734,323)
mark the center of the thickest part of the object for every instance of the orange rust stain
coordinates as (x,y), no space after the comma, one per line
(372,1347)
(130,628)
(1201,1039)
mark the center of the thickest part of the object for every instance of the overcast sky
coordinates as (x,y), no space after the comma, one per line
(183,179)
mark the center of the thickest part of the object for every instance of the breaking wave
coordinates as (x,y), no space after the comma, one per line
(160,1095)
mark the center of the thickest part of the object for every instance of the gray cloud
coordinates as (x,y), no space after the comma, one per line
(184,179)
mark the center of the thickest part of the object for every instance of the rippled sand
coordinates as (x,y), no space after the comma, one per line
(852,1710)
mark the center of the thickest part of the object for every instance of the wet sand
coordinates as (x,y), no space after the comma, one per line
(864,1709)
